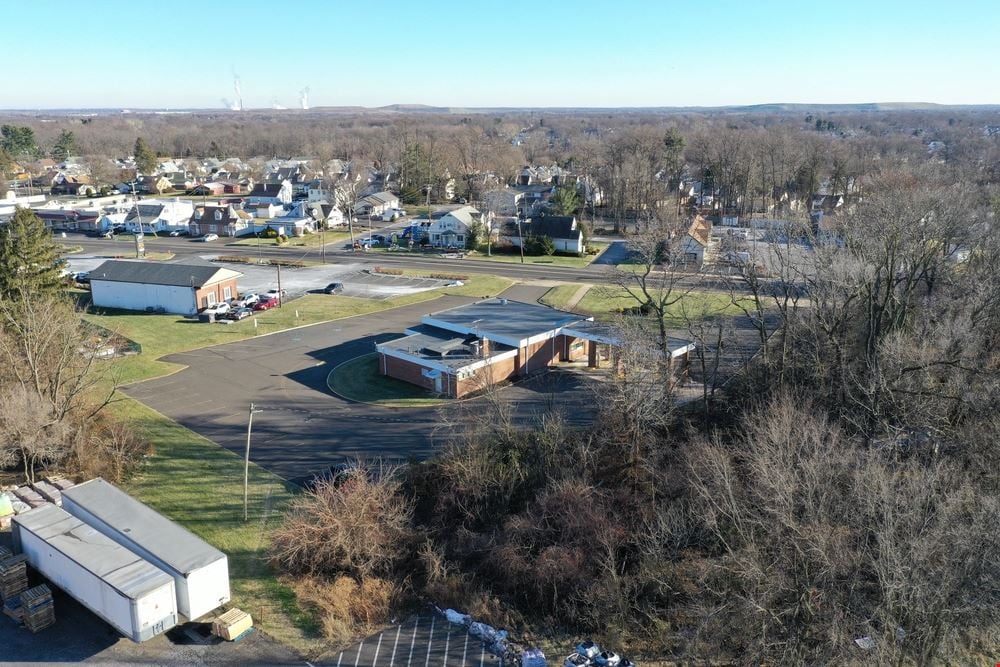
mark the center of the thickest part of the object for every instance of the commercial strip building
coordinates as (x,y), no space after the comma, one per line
(183,288)
(463,350)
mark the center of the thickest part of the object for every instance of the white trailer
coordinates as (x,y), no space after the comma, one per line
(133,596)
(200,571)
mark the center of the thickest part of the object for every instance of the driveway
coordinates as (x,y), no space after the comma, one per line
(303,427)
(616,253)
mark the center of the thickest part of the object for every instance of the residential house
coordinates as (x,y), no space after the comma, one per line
(266,210)
(211,189)
(64,184)
(564,230)
(155,184)
(696,242)
(451,229)
(503,201)
(224,220)
(165,215)
(271,193)
(376,204)
(321,212)
(183,288)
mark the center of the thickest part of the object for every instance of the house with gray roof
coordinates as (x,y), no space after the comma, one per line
(183,288)
(564,230)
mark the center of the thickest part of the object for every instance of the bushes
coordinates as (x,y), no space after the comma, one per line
(346,607)
(539,245)
(448,276)
(358,525)
(385,271)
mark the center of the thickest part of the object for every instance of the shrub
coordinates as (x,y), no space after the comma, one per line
(269,233)
(448,276)
(347,608)
(358,524)
(387,271)
(539,245)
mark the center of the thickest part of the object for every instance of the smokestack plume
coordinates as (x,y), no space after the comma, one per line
(238,103)
(304,98)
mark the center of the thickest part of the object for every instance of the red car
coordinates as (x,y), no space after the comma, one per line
(266,304)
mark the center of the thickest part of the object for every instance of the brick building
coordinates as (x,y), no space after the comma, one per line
(461,350)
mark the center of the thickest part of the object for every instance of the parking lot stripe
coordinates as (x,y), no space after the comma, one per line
(358,657)
(465,649)
(482,656)
(378,646)
(430,643)
(413,641)
(339,658)
(447,643)
(392,660)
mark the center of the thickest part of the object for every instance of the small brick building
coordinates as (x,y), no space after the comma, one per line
(462,350)
(179,287)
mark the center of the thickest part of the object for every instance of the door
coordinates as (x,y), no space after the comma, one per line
(437,384)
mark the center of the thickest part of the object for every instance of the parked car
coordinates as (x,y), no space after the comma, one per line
(83,277)
(248,299)
(220,308)
(179,232)
(210,237)
(265,304)
(277,294)
(239,314)
(334,288)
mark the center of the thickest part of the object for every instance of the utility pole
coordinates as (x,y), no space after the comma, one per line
(520,238)
(280,300)
(246,465)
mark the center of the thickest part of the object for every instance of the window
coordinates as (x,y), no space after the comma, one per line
(210,297)
(204,302)
(227,293)
(218,215)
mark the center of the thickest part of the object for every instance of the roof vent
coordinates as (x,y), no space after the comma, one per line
(503,302)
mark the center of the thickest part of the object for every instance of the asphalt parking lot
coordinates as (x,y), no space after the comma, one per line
(303,427)
(423,641)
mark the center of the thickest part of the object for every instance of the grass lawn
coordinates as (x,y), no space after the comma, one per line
(359,380)
(310,240)
(550,260)
(606,301)
(198,483)
(559,296)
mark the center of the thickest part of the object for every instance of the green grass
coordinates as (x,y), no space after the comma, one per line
(199,484)
(608,301)
(359,380)
(559,296)
(310,240)
(550,260)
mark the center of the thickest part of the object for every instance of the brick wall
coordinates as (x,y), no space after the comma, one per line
(538,356)
(407,371)
(219,289)
(494,373)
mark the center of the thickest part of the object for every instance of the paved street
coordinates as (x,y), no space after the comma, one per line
(303,427)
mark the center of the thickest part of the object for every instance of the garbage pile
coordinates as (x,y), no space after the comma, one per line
(494,640)
(589,654)
(586,654)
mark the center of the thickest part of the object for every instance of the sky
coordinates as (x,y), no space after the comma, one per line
(492,53)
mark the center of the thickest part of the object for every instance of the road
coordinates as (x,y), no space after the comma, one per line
(183,247)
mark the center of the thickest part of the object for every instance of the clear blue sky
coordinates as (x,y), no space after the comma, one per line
(113,53)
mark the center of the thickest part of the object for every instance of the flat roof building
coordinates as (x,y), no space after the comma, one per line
(462,350)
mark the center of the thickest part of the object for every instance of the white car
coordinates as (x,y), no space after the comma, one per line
(220,308)
(248,299)
(210,237)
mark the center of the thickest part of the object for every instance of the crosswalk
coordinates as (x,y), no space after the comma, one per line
(424,641)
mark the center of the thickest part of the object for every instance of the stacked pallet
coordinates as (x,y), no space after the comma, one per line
(232,625)
(5,553)
(13,608)
(49,492)
(30,496)
(38,610)
(60,483)
(13,576)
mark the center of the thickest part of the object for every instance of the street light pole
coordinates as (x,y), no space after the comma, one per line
(246,465)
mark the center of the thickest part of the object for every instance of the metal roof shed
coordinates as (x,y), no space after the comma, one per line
(200,571)
(133,596)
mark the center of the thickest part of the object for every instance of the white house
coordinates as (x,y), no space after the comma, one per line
(182,288)
(376,204)
(565,232)
(159,215)
(271,193)
(451,229)
(695,244)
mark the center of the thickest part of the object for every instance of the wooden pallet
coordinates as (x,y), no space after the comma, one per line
(13,576)
(39,609)
(232,624)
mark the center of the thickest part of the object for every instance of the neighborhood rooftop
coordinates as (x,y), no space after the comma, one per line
(185,274)
(445,348)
